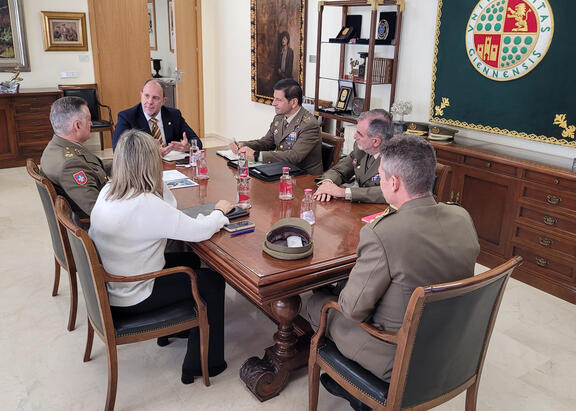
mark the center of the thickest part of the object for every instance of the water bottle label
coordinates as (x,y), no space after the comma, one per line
(202,170)
(285,187)
(243,197)
(308,216)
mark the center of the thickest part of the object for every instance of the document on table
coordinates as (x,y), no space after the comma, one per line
(229,154)
(175,179)
(174,156)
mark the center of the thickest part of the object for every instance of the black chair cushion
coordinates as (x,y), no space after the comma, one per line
(165,317)
(96,124)
(354,373)
(327,155)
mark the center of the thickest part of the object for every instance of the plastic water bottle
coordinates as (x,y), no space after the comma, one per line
(243,191)
(308,207)
(193,158)
(242,163)
(202,166)
(285,185)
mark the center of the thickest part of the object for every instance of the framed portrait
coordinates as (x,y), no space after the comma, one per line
(64,31)
(13,47)
(278,32)
(152,25)
(171,36)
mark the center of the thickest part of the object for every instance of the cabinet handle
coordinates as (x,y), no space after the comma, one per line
(542,262)
(546,242)
(554,200)
(458,197)
(556,181)
(549,220)
(489,164)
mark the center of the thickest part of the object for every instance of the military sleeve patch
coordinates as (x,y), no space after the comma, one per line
(80,178)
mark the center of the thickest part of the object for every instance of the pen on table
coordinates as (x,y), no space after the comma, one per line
(249,230)
(236,143)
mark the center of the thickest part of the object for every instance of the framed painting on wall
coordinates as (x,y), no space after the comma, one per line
(152,25)
(13,48)
(171,38)
(278,32)
(64,31)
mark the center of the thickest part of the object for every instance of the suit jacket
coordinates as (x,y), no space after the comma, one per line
(421,243)
(77,174)
(353,167)
(172,121)
(303,148)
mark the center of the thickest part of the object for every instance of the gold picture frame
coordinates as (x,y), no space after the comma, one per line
(278,32)
(64,31)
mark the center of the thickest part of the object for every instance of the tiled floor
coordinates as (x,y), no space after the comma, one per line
(530,364)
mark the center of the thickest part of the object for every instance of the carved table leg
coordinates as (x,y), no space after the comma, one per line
(266,377)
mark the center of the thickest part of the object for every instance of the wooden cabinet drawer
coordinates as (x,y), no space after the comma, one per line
(547,219)
(544,264)
(550,180)
(448,156)
(494,166)
(552,199)
(545,241)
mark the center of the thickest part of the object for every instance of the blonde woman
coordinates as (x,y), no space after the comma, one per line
(131,221)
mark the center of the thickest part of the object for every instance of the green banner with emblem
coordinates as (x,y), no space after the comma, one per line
(505,67)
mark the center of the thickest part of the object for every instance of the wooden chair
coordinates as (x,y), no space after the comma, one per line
(116,330)
(331,150)
(442,184)
(60,245)
(440,352)
(89,92)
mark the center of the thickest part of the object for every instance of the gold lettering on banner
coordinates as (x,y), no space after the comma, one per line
(560,121)
(439,110)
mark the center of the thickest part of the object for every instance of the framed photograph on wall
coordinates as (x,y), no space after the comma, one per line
(13,48)
(171,36)
(152,25)
(278,31)
(64,31)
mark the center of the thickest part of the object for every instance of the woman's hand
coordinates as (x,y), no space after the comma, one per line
(224,206)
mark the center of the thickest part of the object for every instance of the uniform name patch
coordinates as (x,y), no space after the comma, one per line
(80,178)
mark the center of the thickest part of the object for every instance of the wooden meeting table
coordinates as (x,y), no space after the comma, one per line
(271,284)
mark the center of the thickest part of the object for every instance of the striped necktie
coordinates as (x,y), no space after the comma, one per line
(156,133)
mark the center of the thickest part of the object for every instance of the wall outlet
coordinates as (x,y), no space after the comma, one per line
(84,58)
(69,74)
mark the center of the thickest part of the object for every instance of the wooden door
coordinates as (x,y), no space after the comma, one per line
(121,52)
(189,85)
(8,146)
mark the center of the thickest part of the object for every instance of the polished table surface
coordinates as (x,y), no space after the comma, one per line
(270,283)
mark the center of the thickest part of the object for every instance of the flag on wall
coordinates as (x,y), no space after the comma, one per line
(505,66)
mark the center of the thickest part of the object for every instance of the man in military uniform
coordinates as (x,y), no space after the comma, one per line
(294,135)
(359,169)
(419,242)
(78,174)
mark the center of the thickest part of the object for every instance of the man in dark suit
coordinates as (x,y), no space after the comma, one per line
(165,124)
(417,243)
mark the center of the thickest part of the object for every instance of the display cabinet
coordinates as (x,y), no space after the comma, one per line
(367,61)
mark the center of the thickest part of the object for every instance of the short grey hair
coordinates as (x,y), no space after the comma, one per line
(64,112)
(136,168)
(156,81)
(380,125)
(413,160)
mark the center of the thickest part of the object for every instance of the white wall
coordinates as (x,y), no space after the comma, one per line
(46,66)
(231,113)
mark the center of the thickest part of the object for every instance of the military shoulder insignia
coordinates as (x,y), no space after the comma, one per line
(68,153)
(80,178)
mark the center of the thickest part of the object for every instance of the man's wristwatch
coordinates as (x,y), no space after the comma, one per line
(256,155)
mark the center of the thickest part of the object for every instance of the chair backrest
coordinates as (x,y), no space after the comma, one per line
(331,149)
(445,334)
(58,235)
(87,92)
(89,269)
(442,183)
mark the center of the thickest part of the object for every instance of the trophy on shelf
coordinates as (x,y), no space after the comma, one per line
(354,68)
